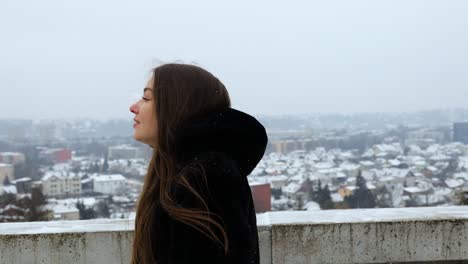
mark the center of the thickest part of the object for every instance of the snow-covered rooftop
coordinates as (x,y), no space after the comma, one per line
(310,206)
(62,209)
(413,189)
(21,180)
(62,174)
(292,188)
(109,177)
(454,183)
(9,189)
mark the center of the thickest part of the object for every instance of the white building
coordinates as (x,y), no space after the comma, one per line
(109,184)
(60,183)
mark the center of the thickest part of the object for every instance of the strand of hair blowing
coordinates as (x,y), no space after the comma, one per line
(180,91)
(198,218)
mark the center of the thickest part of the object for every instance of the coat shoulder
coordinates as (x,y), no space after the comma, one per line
(217,166)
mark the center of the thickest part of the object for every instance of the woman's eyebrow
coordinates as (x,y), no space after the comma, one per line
(147,88)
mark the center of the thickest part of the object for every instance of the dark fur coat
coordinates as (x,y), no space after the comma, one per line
(228,144)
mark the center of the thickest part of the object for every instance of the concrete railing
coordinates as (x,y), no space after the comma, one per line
(397,235)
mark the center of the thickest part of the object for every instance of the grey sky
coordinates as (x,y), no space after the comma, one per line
(89,58)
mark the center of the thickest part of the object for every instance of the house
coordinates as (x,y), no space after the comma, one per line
(410,179)
(346,190)
(417,194)
(454,183)
(23,185)
(64,212)
(109,184)
(12,213)
(292,191)
(56,155)
(61,183)
(261,195)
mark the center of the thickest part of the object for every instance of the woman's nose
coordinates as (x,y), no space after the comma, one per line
(134,108)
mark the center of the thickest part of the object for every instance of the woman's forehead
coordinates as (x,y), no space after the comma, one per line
(149,85)
(150,82)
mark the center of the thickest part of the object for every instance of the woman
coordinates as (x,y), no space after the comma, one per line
(196,205)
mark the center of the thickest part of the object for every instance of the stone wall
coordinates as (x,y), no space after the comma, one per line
(404,235)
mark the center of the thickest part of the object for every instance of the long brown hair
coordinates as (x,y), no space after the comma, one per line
(181,91)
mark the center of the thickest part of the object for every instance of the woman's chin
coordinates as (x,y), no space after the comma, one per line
(140,139)
(136,136)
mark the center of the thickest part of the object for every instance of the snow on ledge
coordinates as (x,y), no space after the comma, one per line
(75,226)
(341,216)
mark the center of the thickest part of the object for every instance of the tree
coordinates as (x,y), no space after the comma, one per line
(6,199)
(36,206)
(6,181)
(105,166)
(314,194)
(276,193)
(93,168)
(76,168)
(311,195)
(464,200)
(462,197)
(300,203)
(81,208)
(308,187)
(360,181)
(362,197)
(85,213)
(325,199)
(383,199)
(103,209)
(406,150)
(38,211)
(322,196)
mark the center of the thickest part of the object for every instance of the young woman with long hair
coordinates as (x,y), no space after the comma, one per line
(196,205)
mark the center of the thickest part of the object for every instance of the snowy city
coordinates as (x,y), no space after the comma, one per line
(46,176)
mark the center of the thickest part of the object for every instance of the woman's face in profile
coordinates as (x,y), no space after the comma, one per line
(145,118)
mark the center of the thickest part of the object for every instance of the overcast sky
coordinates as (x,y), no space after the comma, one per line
(88,58)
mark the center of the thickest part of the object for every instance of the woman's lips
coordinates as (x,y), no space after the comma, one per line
(136,122)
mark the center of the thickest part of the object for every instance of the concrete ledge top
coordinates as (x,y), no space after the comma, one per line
(341,216)
(264,220)
(75,226)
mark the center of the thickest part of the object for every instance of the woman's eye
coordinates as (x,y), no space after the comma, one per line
(145,99)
